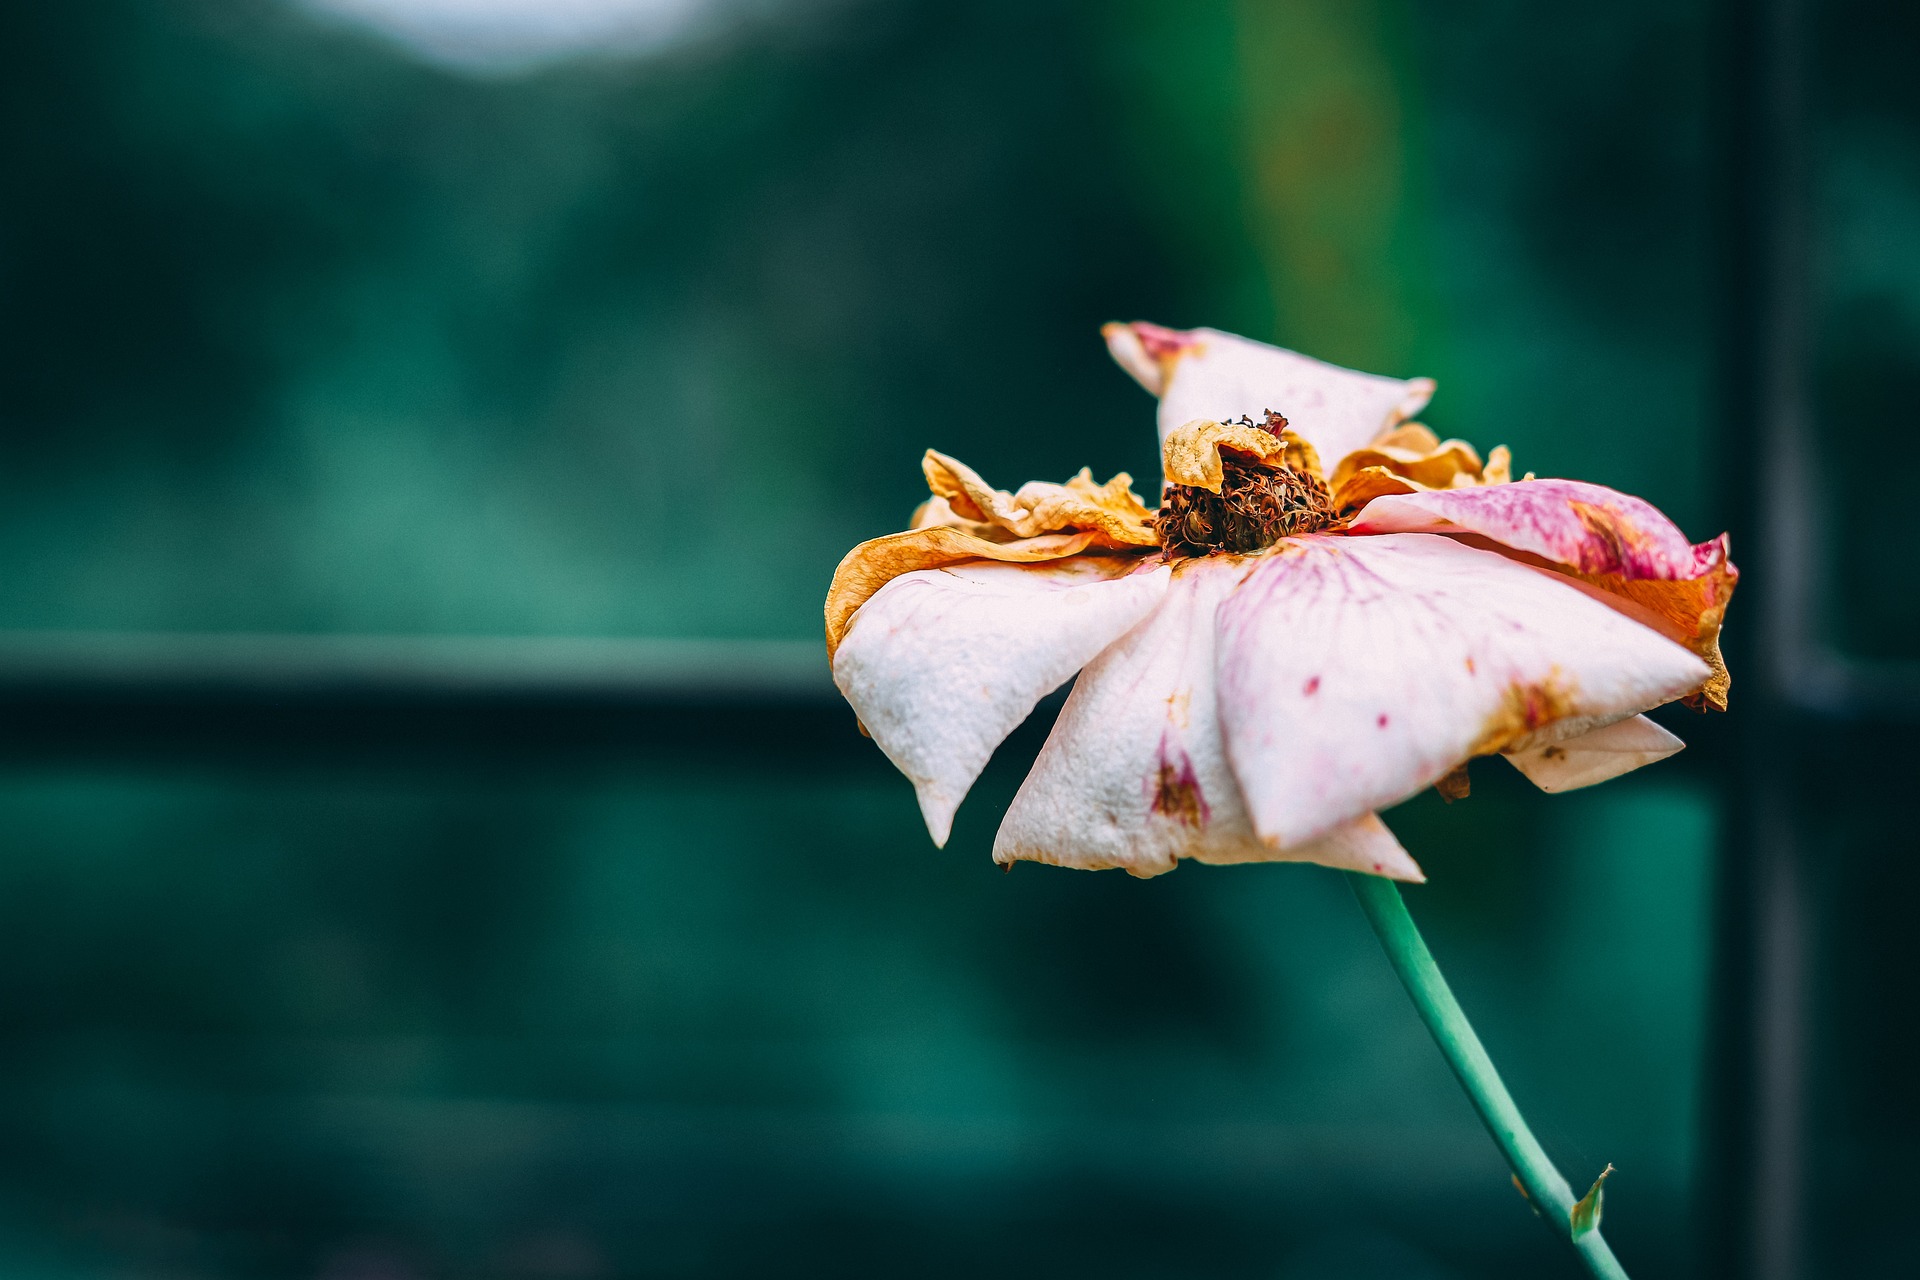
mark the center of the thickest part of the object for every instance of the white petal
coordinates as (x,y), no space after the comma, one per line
(1593,756)
(1364,844)
(1130,353)
(1356,671)
(1133,774)
(1204,373)
(942,664)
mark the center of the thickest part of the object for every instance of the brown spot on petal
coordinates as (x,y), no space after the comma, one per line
(1176,793)
(1523,709)
(1618,543)
(1454,785)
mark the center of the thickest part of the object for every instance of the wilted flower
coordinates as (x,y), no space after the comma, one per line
(1281,649)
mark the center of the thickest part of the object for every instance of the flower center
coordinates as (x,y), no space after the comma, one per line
(1259,503)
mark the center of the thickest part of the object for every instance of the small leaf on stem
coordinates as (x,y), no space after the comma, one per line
(1586,1214)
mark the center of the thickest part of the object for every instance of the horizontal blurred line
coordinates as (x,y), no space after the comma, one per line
(110,665)
(1818,680)
(788,1149)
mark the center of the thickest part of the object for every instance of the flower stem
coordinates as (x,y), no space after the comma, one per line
(1552,1198)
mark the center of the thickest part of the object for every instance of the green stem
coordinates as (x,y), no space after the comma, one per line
(1407,951)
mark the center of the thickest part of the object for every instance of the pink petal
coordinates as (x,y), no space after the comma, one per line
(942,664)
(1587,527)
(1204,373)
(1594,756)
(1617,543)
(1133,774)
(1353,672)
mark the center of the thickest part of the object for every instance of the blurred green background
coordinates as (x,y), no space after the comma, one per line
(308,335)
(311,332)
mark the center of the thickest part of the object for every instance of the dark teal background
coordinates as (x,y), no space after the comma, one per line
(305,335)
(730,1014)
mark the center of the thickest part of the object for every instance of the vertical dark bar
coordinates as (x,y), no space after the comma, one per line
(1752,1170)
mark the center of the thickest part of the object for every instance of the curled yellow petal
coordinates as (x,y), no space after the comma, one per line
(875,563)
(1110,509)
(1416,437)
(938,512)
(1499,468)
(1191,453)
(1301,455)
(969,519)
(1434,469)
(1368,483)
(1411,459)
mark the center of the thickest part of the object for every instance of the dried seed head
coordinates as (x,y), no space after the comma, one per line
(1259,503)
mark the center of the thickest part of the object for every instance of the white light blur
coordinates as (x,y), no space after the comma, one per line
(510,35)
